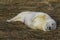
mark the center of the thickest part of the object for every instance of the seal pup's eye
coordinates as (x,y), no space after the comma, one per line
(52,24)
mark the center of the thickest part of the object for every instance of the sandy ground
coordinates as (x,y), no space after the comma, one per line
(18,30)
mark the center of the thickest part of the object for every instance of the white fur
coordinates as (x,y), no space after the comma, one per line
(35,20)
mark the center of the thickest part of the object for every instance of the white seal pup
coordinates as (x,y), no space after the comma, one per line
(35,20)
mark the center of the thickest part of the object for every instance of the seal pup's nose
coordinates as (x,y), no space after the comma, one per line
(50,28)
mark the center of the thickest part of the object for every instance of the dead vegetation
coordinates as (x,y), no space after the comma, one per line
(18,30)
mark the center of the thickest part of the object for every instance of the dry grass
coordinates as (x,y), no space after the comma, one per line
(18,30)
